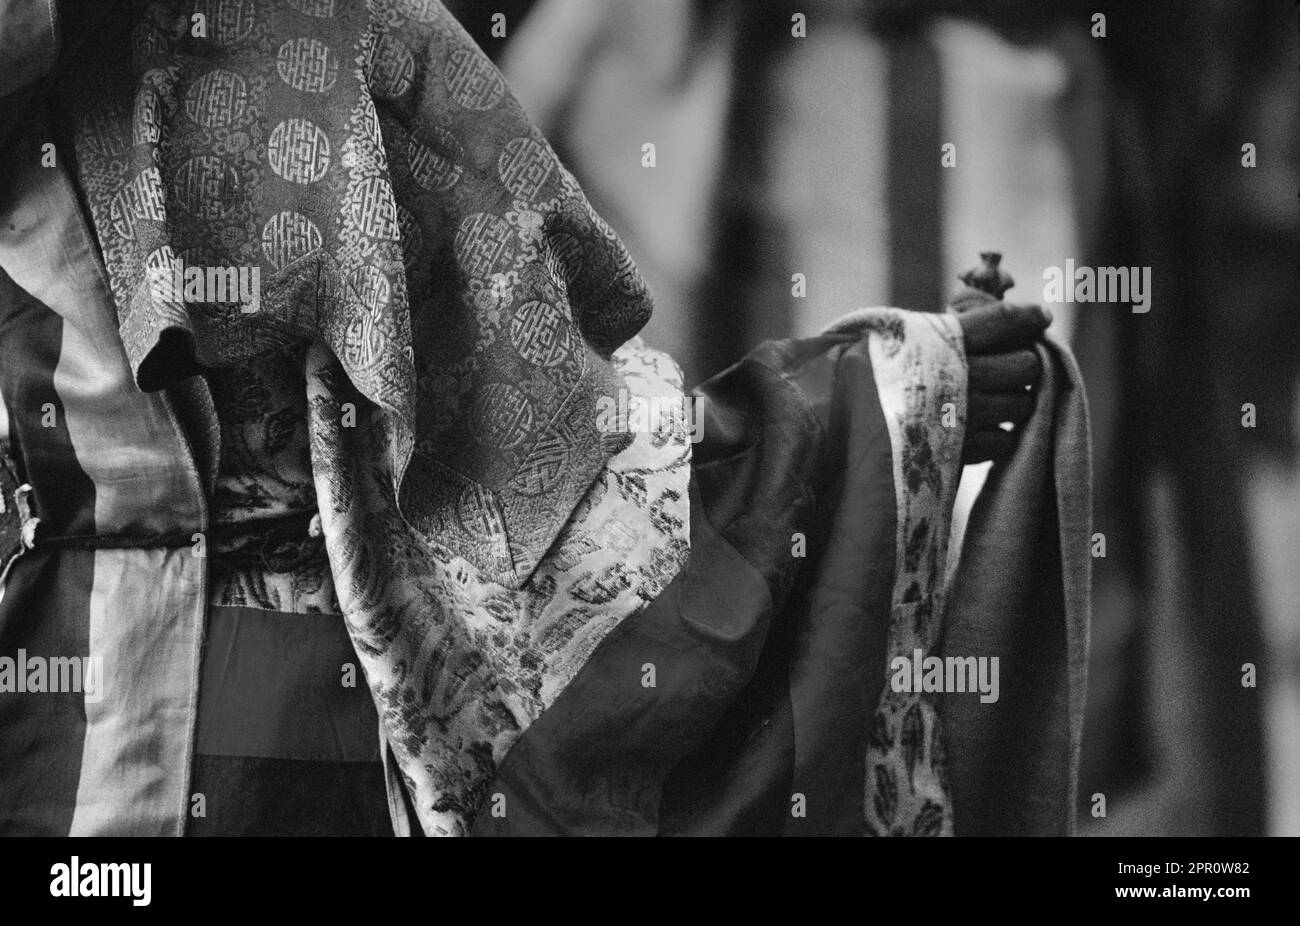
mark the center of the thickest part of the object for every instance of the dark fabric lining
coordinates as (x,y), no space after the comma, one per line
(767,665)
(272,686)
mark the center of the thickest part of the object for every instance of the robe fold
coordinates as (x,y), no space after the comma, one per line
(562,625)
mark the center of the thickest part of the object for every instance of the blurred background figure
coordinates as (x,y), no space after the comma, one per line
(814,156)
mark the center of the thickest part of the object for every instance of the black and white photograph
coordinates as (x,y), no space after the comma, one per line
(715,418)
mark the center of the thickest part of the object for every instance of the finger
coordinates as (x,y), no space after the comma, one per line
(1009,372)
(988,410)
(982,446)
(996,327)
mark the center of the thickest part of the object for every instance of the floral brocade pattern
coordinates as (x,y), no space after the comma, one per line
(509,652)
(919,366)
(460,664)
(265,473)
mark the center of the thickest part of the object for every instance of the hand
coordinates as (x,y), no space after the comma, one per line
(1004,372)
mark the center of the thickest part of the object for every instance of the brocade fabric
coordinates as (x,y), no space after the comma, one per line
(368,160)
(920,368)
(462,303)
(821,499)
